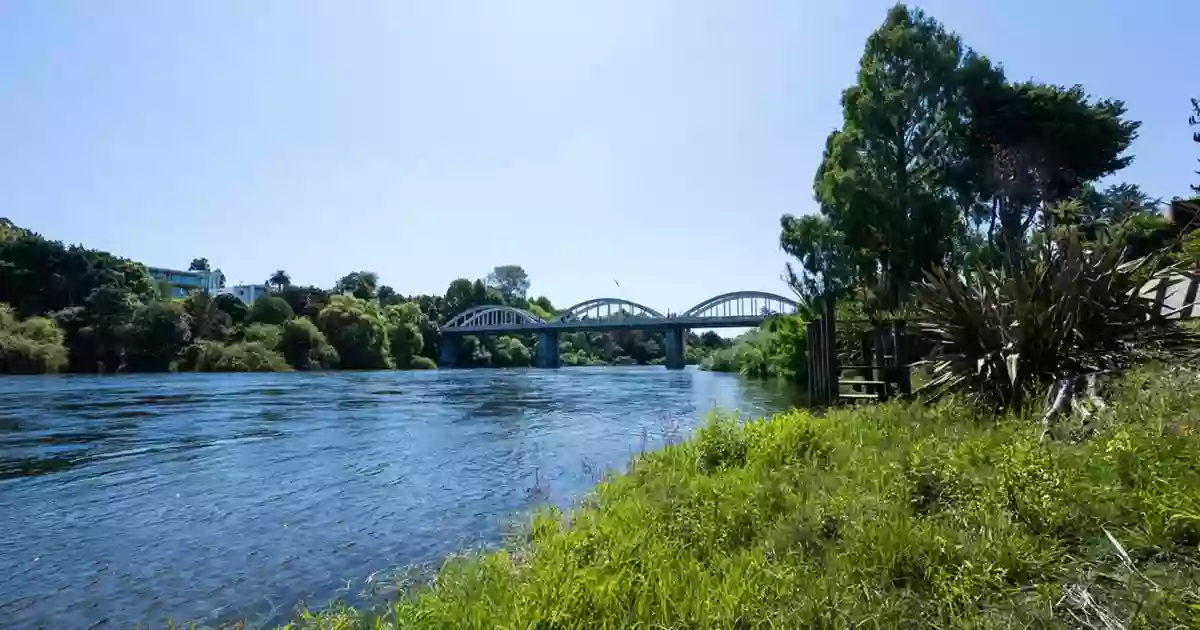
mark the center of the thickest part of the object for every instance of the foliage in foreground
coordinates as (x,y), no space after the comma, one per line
(889,516)
(1072,306)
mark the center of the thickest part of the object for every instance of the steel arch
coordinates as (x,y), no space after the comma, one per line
(735,297)
(492,315)
(574,311)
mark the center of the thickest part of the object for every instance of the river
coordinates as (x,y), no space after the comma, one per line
(204,497)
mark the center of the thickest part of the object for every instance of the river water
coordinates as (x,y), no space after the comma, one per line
(206,497)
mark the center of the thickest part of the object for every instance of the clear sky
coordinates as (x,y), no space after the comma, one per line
(651,143)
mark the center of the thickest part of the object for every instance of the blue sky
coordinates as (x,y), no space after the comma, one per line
(651,143)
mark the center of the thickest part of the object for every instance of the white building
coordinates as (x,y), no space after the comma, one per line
(247,293)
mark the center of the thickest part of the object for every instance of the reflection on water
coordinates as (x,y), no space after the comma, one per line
(135,499)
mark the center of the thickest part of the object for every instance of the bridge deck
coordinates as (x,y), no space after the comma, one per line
(630,323)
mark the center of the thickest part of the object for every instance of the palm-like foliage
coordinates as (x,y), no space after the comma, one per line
(1071,306)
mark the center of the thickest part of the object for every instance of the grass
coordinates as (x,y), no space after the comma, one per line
(888,516)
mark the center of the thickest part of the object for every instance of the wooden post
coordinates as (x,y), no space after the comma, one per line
(812,331)
(881,367)
(900,358)
(868,353)
(831,357)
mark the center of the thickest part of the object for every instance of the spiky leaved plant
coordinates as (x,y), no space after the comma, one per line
(1069,306)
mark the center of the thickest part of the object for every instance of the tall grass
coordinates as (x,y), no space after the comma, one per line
(890,516)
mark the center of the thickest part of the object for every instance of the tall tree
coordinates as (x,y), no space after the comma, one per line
(1035,145)
(887,183)
(826,264)
(279,280)
(199,264)
(361,284)
(510,280)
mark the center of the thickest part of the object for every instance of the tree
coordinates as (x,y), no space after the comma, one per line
(404,333)
(510,352)
(270,309)
(361,284)
(510,280)
(1036,145)
(459,297)
(230,305)
(209,321)
(827,265)
(358,331)
(304,347)
(198,264)
(279,280)
(266,334)
(886,182)
(387,295)
(158,333)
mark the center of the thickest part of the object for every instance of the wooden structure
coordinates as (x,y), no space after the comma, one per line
(873,352)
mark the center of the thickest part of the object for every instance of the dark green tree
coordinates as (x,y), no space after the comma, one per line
(360,284)
(886,182)
(157,335)
(270,309)
(404,333)
(304,346)
(510,280)
(279,280)
(208,320)
(358,331)
(1035,145)
(230,305)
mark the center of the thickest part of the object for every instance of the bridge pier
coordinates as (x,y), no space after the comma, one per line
(547,349)
(448,350)
(675,350)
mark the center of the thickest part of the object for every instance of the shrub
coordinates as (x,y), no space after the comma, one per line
(33,346)
(423,363)
(269,309)
(268,335)
(304,346)
(158,333)
(358,330)
(1073,306)
(211,356)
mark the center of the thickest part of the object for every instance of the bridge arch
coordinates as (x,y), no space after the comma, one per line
(490,316)
(606,305)
(742,304)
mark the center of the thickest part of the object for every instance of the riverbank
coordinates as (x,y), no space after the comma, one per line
(884,516)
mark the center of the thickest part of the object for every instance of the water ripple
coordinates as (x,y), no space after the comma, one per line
(130,500)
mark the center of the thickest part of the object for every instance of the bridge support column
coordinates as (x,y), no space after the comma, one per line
(547,349)
(448,350)
(675,349)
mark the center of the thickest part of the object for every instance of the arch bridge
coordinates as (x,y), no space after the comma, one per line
(739,309)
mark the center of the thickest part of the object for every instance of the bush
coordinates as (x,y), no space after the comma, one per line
(268,335)
(357,329)
(304,346)
(887,516)
(33,346)
(158,333)
(211,356)
(269,309)
(1073,306)
(423,363)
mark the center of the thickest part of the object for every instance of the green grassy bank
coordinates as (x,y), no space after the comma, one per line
(891,516)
